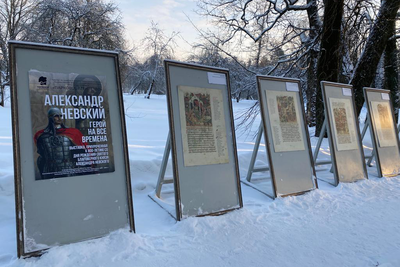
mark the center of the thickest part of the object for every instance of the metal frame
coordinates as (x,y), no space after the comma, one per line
(267,141)
(13,45)
(329,130)
(173,141)
(371,124)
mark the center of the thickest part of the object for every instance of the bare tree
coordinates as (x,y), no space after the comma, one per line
(329,62)
(312,43)
(294,25)
(391,79)
(381,32)
(161,47)
(79,23)
(14,15)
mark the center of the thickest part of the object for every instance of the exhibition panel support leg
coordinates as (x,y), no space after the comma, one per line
(320,139)
(366,124)
(374,145)
(170,209)
(364,131)
(163,168)
(252,169)
(254,155)
(317,148)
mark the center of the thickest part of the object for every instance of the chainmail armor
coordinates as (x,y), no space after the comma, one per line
(55,155)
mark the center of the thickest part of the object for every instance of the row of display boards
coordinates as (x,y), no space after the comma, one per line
(72,177)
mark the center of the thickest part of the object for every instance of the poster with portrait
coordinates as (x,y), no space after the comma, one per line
(382,115)
(285,120)
(203,126)
(343,122)
(71,124)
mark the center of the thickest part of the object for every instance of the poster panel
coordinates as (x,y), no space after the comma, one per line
(343,124)
(72,178)
(383,131)
(203,127)
(203,144)
(284,112)
(71,124)
(286,136)
(343,133)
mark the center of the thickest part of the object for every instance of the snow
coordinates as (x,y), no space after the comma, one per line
(353,224)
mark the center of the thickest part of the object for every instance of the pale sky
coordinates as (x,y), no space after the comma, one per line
(170,16)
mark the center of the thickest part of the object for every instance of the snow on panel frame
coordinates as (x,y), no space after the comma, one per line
(383,131)
(344,134)
(72,179)
(203,143)
(286,135)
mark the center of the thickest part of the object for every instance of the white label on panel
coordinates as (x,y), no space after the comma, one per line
(385,96)
(294,87)
(216,78)
(346,91)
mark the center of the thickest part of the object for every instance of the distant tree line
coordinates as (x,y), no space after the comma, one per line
(352,42)
(79,23)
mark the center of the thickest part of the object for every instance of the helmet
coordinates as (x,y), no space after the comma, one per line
(53,111)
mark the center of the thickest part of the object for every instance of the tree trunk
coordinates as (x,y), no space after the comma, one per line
(150,89)
(391,71)
(238,96)
(378,39)
(2,94)
(312,81)
(328,68)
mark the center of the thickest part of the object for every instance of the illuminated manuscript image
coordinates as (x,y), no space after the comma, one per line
(284,114)
(71,124)
(382,116)
(287,109)
(343,124)
(198,110)
(203,126)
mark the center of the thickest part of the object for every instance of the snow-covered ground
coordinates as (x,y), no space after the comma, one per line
(348,225)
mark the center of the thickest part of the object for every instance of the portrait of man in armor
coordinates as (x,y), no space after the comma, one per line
(56,146)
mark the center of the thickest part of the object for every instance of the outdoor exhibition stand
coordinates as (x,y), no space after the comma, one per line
(201,140)
(286,138)
(384,134)
(341,124)
(72,178)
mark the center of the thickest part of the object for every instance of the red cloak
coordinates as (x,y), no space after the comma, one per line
(72,134)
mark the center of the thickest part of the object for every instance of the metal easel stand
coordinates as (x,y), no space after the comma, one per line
(374,145)
(317,148)
(324,131)
(161,176)
(364,131)
(252,169)
(162,179)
